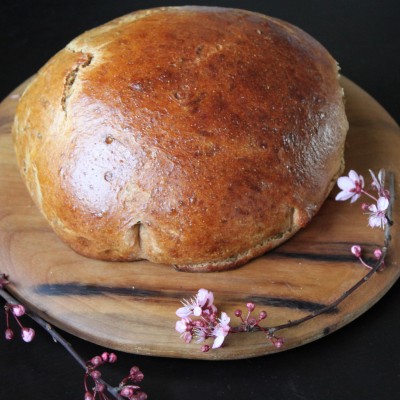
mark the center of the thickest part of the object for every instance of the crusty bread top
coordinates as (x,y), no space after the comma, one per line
(194,136)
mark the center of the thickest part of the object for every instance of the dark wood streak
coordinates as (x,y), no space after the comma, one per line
(338,251)
(77,289)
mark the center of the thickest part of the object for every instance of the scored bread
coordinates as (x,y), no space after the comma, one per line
(199,137)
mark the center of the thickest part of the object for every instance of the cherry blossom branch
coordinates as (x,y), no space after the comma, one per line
(202,305)
(377,266)
(90,366)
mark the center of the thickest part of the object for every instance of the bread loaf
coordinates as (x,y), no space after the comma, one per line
(198,137)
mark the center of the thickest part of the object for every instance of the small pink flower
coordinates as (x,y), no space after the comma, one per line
(351,186)
(377,215)
(27,334)
(195,306)
(183,325)
(221,330)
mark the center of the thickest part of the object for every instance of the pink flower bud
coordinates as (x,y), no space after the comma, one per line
(100,387)
(18,310)
(96,361)
(88,396)
(378,253)
(356,250)
(127,392)
(262,315)
(278,343)
(112,358)
(205,348)
(238,313)
(139,376)
(95,374)
(133,371)
(27,334)
(9,334)
(141,396)
(105,356)
(365,207)
(250,306)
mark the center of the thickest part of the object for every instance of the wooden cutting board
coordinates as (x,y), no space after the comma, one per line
(131,306)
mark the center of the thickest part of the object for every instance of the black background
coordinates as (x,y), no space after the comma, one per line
(360,361)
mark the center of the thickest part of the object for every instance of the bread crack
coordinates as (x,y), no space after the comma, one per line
(83,62)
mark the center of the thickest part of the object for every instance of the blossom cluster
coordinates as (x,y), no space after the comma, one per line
(199,320)
(352,187)
(127,388)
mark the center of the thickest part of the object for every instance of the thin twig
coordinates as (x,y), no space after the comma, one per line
(364,279)
(58,338)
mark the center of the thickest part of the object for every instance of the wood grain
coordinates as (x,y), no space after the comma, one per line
(131,306)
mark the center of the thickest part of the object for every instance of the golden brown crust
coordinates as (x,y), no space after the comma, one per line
(193,136)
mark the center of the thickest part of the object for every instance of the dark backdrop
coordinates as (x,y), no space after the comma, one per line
(360,361)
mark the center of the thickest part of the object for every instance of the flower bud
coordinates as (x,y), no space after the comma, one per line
(238,313)
(127,392)
(88,396)
(378,253)
(27,334)
(141,396)
(105,356)
(205,348)
(95,374)
(112,358)
(9,334)
(262,315)
(100,387)
(96,361)
(134,370)
(365,207)
(356,250)
(278,343)
(250,306)
(139,376)
(18,310)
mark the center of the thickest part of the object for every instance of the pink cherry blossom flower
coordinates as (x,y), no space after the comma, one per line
(221,330)
(195,306)
(351,186)
(377,215)
(183,325)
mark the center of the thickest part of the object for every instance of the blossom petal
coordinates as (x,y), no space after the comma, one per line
(355,197)
(345,183)
(353,175)
(183,312)
(382,203)
(201,297)
(180,326)
(218,341)
(343,195)
(224,320)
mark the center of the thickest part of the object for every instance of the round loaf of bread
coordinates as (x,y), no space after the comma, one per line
(198,137)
